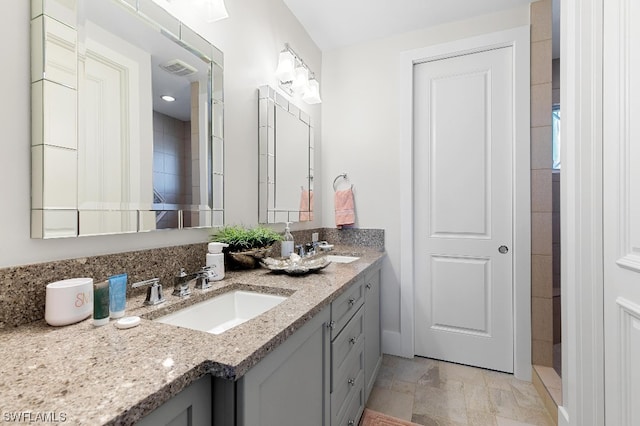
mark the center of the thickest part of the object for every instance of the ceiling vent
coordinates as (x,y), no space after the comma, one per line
(178,67)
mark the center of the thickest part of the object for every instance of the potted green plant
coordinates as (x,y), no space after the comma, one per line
(246,245)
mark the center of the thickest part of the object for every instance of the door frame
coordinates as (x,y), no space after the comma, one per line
(518,38)
(582,49)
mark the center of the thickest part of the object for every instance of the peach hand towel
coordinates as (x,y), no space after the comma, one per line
(306,205)
(345,207)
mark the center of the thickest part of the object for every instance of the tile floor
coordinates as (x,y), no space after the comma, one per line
(437,393)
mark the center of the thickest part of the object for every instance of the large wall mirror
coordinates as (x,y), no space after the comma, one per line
(286,160)
(127,120)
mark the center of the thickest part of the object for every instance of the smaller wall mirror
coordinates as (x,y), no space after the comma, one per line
(286,148)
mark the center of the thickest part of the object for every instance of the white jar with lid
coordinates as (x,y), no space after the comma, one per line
(68,301)
(215,261)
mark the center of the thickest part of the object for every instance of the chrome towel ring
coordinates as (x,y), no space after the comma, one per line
(343,176)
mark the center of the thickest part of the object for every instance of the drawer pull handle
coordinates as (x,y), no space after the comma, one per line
(351,381)
(368,286)
(353,340)
(352,301)
(351,422)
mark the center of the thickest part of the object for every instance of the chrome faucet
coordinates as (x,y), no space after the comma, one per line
(181,283)
(203,277)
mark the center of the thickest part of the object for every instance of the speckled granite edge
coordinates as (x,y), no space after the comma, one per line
(155,400)
(23,288)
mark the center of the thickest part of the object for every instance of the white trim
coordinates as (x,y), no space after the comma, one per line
(563,417)
(581,213)
(519,39)
(391,342)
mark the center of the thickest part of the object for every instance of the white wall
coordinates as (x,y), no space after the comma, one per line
(251,39)
(360,129)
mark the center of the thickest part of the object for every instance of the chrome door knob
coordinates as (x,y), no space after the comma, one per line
(503,249)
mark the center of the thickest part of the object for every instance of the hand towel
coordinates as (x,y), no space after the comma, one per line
(306,205)
(345,207)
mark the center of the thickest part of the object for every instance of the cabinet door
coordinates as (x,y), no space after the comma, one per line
(290,386)
(191,407)
(372,329)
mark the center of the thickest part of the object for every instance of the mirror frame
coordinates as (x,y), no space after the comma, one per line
(268,101)
(54,25)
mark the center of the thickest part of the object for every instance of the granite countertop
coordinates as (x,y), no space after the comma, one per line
(103,375)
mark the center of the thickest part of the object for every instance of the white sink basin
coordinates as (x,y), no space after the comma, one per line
(341,259)
(223,312)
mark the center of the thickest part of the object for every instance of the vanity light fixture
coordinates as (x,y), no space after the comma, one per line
(295,77)
(286,64)
(312,95)
(216,10)
(300,79)
(168,98)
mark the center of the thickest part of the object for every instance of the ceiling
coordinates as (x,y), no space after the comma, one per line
(338,23)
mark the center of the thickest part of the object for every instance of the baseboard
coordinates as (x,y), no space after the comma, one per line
(563,417)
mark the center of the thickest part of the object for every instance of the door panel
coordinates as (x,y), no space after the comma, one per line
(463,210)
(453,97)
(463,283)
(621,212)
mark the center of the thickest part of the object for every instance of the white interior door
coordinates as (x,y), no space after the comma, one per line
(463,209)
(621,212)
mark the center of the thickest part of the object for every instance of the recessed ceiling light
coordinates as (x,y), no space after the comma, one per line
(168,98)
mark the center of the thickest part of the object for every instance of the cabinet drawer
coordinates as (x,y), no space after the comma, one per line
(347,343)
(355,406)
(343,308)
(345,384)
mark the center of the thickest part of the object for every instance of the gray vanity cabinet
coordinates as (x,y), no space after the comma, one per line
(289,387)
(320,376)
(191,407)
(372,329)
(348,356)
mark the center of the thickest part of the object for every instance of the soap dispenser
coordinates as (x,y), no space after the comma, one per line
(215,260)
(287,242)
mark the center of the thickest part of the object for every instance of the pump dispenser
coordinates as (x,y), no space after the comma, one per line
(287,242)
(215,260)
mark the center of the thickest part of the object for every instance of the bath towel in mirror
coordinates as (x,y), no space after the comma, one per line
(306,205)
(344,207)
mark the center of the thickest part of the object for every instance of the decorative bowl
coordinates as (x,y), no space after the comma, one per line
(296,265)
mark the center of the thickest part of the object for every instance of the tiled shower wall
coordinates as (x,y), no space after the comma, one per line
(171,164)
(541,185)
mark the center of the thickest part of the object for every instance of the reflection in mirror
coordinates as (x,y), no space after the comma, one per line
(286,160)
(124,136)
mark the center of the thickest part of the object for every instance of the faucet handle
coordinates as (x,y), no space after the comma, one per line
(181,273)
(152,281)
(154,292)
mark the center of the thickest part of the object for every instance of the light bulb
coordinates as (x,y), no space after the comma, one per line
(301,79)
(286,63)
(312,94)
